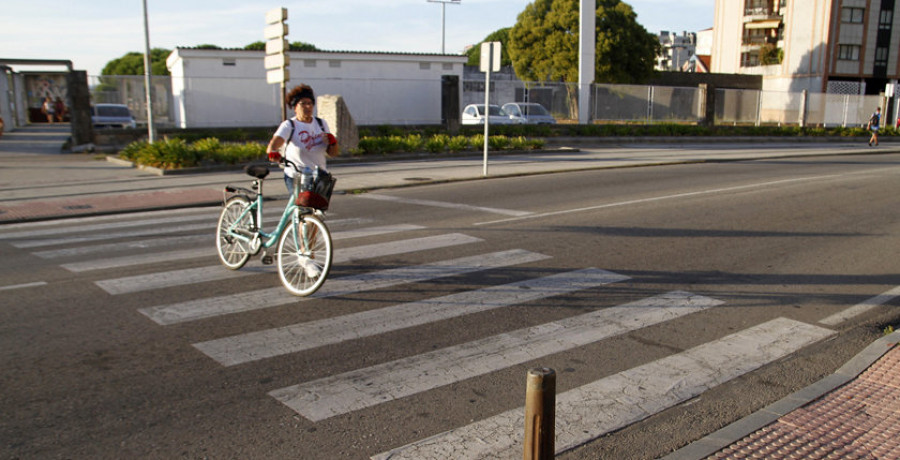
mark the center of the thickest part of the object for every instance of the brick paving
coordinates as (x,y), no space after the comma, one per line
(860,420)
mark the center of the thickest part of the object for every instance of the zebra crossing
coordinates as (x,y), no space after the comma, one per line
(583,413)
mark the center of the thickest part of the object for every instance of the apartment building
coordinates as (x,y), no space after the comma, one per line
(822,46)
(675,50)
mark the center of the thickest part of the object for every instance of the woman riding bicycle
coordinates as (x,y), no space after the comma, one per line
(309,140)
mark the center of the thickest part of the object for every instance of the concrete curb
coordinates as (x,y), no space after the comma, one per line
(721,439)
(340,160)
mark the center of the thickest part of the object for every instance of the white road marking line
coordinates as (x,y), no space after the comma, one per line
(209,250)
(265,298)
(588,412)
(239,349)
(56,223)
(146,243)
(444,204)
(101,235)
(130,284)
(22,286)
(63,229)
(149,228)
(140,259)
(373,231)
(350,391)
(861,308)
(659,198)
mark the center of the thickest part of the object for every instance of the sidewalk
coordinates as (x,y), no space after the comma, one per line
(853,413)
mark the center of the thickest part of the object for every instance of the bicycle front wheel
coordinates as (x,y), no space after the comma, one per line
(304,255)
(234,252)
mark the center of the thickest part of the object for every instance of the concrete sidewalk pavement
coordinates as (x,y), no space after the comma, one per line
(855,413)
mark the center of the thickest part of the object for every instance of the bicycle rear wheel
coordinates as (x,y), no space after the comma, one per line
(304,254)
(234,252)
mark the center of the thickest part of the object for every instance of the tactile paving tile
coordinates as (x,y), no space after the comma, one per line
(860,420)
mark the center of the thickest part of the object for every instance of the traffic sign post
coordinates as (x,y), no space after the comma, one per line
(490,62)
(277,59)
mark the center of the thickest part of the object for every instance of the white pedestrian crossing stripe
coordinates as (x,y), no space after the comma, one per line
(265,298)
(211,273)
(291,339)
(363,388)
(130,284)
(588,412)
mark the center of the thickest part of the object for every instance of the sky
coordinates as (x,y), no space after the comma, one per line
(91,33)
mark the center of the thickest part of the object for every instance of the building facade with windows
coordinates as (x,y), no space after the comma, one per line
(830,46)
(675,50)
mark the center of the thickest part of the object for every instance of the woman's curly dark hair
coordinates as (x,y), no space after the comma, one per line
(299,92)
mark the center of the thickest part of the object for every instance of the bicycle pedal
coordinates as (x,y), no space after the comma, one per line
(267,260)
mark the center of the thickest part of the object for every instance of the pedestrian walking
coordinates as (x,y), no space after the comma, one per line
(60,108)
(49,109)
(874,123)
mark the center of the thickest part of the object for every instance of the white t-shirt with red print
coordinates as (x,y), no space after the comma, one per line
(308,145)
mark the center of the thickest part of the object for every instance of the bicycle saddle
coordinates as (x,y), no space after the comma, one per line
(257,171)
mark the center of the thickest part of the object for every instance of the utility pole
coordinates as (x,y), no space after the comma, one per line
(444,19)
(148,87)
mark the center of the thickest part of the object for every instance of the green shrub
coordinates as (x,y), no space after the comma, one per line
(437,143)
(458,144)
(498,142)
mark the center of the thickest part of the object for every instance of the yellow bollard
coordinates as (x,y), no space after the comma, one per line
(540,414)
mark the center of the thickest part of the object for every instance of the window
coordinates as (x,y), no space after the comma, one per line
(852,15)
(334,64)
(309,63)
(848,52)
(424,66)
(229,61)
(447,66)
(885,20)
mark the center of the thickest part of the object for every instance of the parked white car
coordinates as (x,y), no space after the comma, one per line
(528,113)
(473,114)
(112,116)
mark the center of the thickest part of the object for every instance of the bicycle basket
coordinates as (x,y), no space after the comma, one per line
(314,190)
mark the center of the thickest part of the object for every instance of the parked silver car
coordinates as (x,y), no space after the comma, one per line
(112,116)
(473,114)
(528,113)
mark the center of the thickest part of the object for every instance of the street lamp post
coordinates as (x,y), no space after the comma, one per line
(151,131)
(444,19)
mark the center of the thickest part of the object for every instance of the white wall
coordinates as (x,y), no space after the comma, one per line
(5,108)
(223,88)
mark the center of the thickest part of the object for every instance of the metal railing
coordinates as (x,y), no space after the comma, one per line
(369,101)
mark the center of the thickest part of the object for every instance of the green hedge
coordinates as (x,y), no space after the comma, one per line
(176,153)
(234,146)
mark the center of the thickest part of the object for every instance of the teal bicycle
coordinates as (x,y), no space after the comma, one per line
(301,238)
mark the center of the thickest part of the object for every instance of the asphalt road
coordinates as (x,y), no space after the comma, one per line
(670,301)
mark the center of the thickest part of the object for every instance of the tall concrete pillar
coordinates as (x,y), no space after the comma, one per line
(587,61)
(450,112)
(79,104)
(333,109)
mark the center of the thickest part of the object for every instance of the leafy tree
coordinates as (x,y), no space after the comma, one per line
(132,63)
(207,46)
(502,36)
(300,46)
(543,45)
(294,46)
